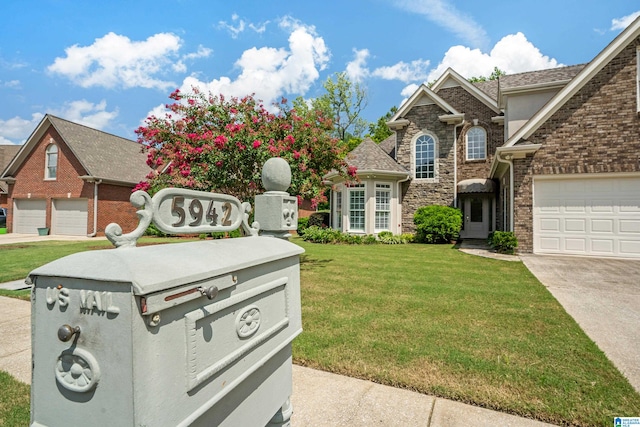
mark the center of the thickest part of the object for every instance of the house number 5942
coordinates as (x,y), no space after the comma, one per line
(197,212)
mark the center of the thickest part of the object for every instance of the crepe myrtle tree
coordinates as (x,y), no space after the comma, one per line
(219,144)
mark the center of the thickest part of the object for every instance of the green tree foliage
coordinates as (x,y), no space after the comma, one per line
(495,74)
(344,101)
(213,143)
(379,131)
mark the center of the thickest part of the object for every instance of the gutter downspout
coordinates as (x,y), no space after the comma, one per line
(455,163)
(95,207)
(509,161)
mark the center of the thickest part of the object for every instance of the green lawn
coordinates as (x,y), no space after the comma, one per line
(432,319)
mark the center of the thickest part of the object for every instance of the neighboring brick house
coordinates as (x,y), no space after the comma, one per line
(7,152)
(73,180)
(553,155)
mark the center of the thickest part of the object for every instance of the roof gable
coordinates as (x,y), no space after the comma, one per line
(102,155)
(7,153)
(422,96)
(578,82)
(452,79)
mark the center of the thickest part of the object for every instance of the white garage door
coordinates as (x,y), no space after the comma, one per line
(69,217)
(29,215)
(587,216)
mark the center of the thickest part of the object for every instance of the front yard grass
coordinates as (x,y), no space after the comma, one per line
(427,318)
(432,319)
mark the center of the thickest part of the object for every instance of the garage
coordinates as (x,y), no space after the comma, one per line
(69,217)
(29,215)
(589,215)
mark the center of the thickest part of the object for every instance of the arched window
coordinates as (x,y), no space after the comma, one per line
(476,143)
(425,157)
(51,168)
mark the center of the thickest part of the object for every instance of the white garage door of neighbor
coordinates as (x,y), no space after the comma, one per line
(587,216)
(69,217)
(29,215)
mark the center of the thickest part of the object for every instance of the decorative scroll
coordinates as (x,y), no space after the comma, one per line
(182,211)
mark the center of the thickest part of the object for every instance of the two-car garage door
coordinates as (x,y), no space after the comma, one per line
(68,216)
(591,216)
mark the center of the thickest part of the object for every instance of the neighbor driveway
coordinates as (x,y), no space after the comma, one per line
(603,296)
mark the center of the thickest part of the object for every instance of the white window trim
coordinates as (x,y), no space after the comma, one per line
(389,188)
(435,155)
(357,187)
(46,161)
(466,145)
(337,222)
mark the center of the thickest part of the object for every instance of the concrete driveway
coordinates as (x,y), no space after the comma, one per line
(603,296)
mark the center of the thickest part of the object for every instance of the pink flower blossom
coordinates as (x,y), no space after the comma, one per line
(219,163)
(351,170)
(256,143)
(220,141)
(296,154)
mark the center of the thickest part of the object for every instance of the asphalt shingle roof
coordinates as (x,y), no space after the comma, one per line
(368,156)
(388,145)
(490,87)
(7,153)
(103,155)
(512,81)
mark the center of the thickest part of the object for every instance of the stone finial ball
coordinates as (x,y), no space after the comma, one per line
(276,174)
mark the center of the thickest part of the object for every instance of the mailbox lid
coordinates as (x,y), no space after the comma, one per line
(154,268)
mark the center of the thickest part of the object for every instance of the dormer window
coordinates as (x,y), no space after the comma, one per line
(476,143)
(51,167)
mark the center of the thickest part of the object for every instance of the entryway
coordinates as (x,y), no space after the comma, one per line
(476,217)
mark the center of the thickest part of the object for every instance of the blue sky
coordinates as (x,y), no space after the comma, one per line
(109,64)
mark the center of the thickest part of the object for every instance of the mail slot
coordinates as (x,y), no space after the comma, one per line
(180,334)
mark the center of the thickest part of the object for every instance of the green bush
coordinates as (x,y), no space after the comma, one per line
(226,234)
(152,230)
(302,224)
(504,242)
(383,234)
(319,219)
(315,234)
(437,224)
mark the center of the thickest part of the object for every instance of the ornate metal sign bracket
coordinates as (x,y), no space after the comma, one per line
(182,211)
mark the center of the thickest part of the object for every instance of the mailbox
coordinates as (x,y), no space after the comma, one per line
(184,334)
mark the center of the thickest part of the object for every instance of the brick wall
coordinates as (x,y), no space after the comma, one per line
(596,131)
(417,193)
(473,108)
(113,205)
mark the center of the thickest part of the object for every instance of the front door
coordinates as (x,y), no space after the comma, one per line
(476,218)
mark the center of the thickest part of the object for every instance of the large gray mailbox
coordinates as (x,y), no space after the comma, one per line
(182,334)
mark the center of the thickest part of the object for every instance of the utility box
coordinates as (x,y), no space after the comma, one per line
(170,335)
(184,334)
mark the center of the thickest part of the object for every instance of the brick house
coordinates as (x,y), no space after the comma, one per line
(552,155)
(73,180)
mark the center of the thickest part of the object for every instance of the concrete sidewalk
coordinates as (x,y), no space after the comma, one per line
(319,398)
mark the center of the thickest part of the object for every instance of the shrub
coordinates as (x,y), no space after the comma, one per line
(152,230)
(408,237)
(318,219)
(383,234)
(503,242)
(226,234)
(369,239)
(302,224)
(437,224)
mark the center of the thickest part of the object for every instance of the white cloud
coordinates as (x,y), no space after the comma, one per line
(87,113)
(446,15)
(116,61)
(622,23)
(512,54)
(12,84)
(405,72)
(241,25)
(357,69)
(16,130)
(270,72)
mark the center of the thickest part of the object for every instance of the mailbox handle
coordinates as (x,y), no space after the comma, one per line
(211,292)
(65,332)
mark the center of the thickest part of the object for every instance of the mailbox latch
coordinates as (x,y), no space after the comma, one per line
(65,332)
